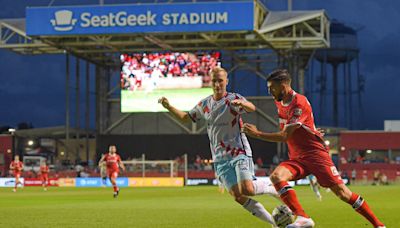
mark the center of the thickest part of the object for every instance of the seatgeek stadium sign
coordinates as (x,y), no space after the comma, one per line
(126,19)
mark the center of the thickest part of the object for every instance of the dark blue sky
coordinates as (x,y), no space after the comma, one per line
(32,88)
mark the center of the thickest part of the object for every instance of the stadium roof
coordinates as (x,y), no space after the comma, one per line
(52,132)
(301,30)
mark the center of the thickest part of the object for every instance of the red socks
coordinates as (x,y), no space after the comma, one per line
(288,196)
(359,204)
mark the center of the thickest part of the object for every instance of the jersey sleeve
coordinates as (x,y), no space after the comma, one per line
(238,109)
(197,112)
(298,113)
(105,157)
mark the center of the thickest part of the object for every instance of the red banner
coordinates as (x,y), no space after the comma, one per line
(38,182)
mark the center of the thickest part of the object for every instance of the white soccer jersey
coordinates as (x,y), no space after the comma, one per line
(223,126)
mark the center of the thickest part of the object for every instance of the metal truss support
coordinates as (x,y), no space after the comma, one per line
(102,106)
(116,123)
(87,110)
(267,117)
(67,111)
(77,105)
(178,123)
(14,38)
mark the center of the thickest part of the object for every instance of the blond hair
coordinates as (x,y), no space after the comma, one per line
(217,70)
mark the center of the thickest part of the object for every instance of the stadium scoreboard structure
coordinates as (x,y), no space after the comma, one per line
(95,32)
(127,19)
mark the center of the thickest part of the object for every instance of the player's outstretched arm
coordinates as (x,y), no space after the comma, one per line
(246,105)
(281,136)
(122,165)
(178,114)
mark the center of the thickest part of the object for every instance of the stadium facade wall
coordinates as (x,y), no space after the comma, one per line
(6,153)
(164,147)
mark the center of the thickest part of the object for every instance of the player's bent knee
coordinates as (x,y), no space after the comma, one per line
(247,188)
(280,174)
(276,177)
(248,191)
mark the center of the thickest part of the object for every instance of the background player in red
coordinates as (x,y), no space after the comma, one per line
(16,166)
(44,171)
(113,162)
(307,152)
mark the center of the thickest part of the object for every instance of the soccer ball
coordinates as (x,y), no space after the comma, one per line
(283,216)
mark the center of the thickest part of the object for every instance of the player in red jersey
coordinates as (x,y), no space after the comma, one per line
(308,153)
(44,171)
(16,166)
(113,162)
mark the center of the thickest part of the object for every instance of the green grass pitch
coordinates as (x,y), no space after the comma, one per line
(177,207)
(183,99)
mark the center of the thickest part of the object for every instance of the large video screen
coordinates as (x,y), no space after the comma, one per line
(182,77)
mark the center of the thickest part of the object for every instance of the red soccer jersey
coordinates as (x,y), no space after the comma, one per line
(44,169)
(17,166)
(112,161)
(306,140)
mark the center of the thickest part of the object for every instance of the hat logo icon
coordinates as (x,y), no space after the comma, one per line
(63,20)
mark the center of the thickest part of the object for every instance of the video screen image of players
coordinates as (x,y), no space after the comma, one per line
(183,77)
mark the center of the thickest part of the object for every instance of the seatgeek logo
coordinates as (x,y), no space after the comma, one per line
(64,19)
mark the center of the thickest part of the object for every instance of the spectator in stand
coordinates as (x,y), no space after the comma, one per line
(376,177)
(259,163)
(383,179)
(198,163)
(345,176)
(275,159)
(386,160)
(353,176)
(78,170)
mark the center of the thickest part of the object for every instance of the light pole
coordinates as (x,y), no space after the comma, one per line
(12,132)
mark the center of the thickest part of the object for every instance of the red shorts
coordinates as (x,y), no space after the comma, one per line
(17,174)
(45,177)
(320,165)
(112,173)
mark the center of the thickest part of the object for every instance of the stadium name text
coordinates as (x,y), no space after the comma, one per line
(150,19)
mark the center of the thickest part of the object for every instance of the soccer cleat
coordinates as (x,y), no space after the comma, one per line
(319,197)
(302,222)
(14,190)
(381,227)
(116,194)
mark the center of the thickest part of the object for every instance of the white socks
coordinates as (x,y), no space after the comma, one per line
(264,186)
(258,210)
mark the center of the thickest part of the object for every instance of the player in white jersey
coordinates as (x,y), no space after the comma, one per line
(230,148)
(103,173)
